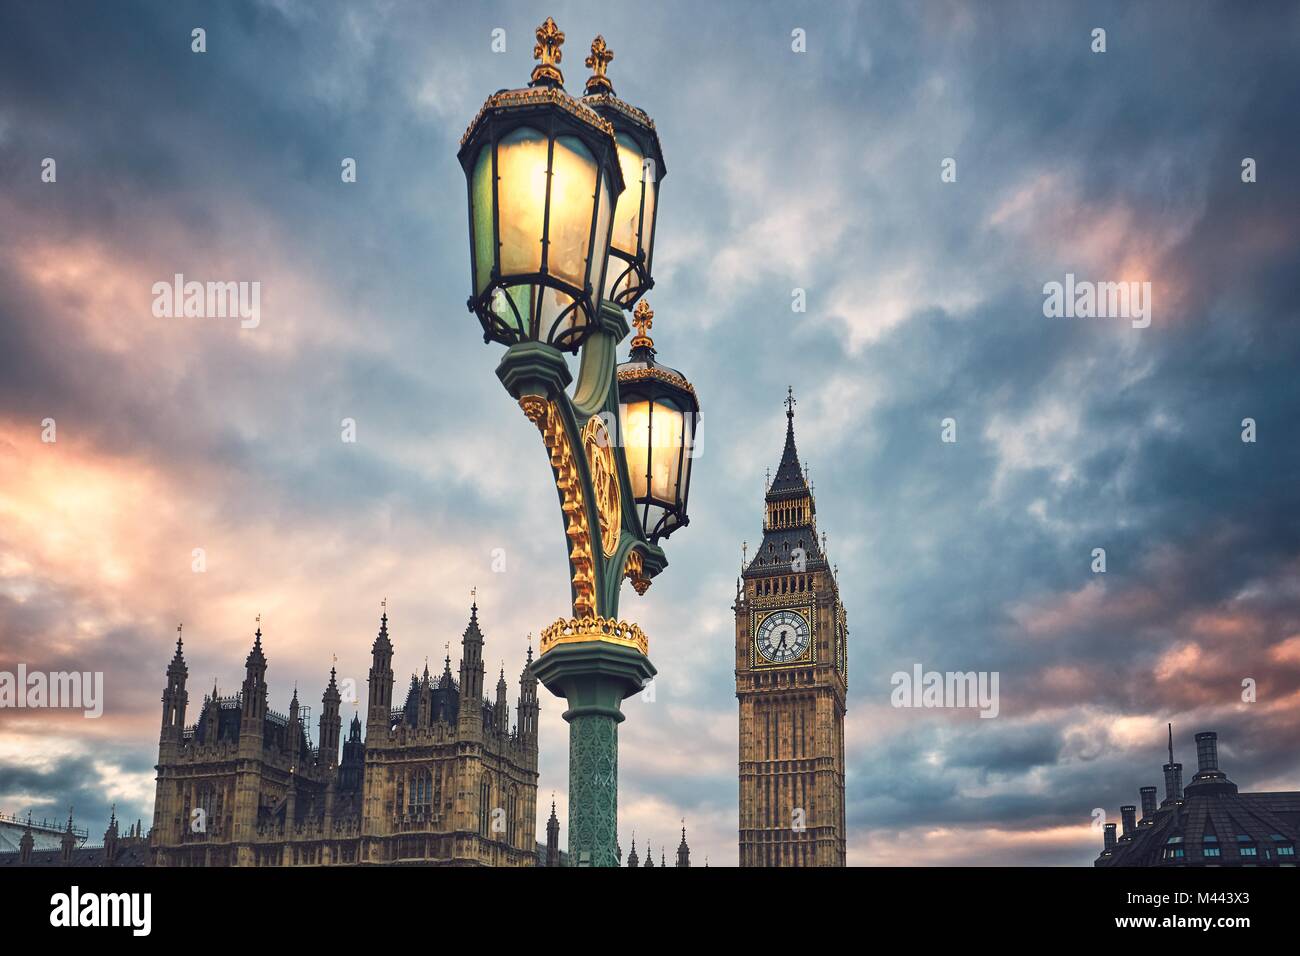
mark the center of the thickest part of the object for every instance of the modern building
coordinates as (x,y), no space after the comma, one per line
(1207,823)
(791,682)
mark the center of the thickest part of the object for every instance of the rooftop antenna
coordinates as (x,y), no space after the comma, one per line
(1171,743)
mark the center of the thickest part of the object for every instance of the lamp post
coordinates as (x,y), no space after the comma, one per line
(563,199)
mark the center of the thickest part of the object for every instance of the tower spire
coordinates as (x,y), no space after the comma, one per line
(789,475)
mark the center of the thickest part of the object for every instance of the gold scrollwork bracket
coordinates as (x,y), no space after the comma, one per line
(634,571)
(568,481)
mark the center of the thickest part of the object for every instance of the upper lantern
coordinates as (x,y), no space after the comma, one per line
(544,176)
(631,249)
(660,417)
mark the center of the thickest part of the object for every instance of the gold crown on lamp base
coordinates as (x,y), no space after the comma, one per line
(578,630)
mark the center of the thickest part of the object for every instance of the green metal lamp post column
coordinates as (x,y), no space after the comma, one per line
(547,177)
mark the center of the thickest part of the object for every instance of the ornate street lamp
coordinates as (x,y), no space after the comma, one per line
(660,417)
(545,175)
(641,159)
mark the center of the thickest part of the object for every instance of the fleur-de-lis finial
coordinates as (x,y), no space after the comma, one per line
(597,62)
(643,318)
(547,52)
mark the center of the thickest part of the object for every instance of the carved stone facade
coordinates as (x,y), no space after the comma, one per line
(792,684)
(443,780)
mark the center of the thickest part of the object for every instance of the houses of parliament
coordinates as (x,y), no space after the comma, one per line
(443,779)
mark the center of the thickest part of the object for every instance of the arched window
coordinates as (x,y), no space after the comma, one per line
(485,806)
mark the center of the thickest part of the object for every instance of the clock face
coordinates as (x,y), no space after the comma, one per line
(783,637)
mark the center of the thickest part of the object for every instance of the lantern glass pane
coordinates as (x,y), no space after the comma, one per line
(650,175)
(602,242)
(560,321)
(518,317)
(627,214)
(521,196)
(666,451)
(573,198)
(636,439)
(481,217)
(690,421)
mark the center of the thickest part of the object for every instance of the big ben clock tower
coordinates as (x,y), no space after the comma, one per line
(791,680)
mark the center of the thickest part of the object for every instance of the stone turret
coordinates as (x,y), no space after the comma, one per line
(110,837)
(69,842)
(381,682)
(252,732)
(501,709)
(528,707)
(553,839)
(174,701)
(330,723)
(27,842)
(471,674)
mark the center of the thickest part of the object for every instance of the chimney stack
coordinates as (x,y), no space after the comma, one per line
(1209,778)
(1148,805)
(1129,815)
(1109,837)
(1207,751)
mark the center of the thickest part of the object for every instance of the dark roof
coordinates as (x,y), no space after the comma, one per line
(789,479)
(776,551)
(1268,820)
(1212,815)
(129,853)
(444,702)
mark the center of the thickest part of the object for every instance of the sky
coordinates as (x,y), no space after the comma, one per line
(821,171)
